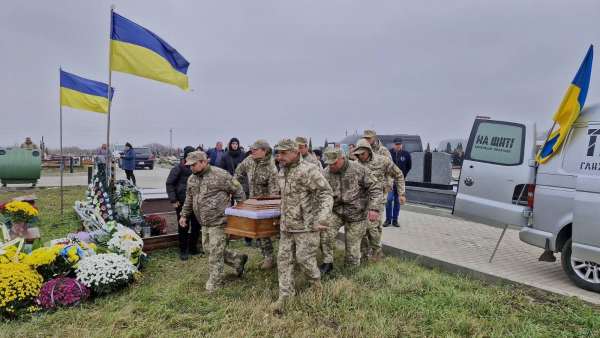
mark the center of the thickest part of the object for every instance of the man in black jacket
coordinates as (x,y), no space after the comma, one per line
(233,156)
(176,188)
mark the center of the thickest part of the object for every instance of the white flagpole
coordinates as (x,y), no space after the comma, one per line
(108,166)
(62,188)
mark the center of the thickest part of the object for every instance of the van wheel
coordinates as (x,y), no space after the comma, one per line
(584,274)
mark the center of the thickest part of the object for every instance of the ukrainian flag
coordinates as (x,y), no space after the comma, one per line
(137,51)
(570,107)
(79,93)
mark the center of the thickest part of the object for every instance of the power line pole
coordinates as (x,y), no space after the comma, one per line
(171,148)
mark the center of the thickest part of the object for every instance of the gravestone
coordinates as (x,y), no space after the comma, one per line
(416,172)
(441,168)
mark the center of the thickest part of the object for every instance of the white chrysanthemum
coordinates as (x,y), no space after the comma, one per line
(106,271)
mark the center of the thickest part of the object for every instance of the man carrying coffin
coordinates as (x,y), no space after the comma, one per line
(356,199)
(262,181)
(306,202)
(207,196)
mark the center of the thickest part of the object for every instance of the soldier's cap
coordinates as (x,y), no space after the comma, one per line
(361,146)
(286,144)
(332,155)
(301,141)
(260,144)
(398,140)
(369,133)
(194,157)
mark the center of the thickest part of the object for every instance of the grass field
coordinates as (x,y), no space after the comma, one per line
(384,299)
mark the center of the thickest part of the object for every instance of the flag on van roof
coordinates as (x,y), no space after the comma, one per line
(136,50)
(570,107)
(79,93)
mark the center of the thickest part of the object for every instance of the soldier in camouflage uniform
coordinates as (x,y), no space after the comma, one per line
(356,199)
(207,196)
(306,202)
(306,155)
(262,180)
(386,173)
(376,146)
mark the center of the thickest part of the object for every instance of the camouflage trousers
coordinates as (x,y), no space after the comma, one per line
(353,231)
(266,247)
(302,245)
(371,241)
(214,242)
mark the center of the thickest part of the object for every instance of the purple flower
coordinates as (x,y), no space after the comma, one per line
(104,215)
(103,208)
(101,200)
(65,291)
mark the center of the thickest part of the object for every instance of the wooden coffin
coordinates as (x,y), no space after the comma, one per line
(254,218)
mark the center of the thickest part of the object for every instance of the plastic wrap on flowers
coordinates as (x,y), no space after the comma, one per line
(49,262)
(105,273)
(62,292)
(19,285)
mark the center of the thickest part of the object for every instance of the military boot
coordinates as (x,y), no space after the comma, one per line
(240,269)
(279,304)
(377,256)
(268,263)
(326,268)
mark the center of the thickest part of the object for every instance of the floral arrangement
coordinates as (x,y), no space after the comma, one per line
(126,242)
(157,223)
(48,262)
(62,292)
(105,273)
(9,255)
(128,201)
(19,285)
(97,195)
(19,216)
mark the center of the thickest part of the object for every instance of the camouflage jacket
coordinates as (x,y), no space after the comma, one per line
(311,159)
(354,192)
(306,197)
(207,196)
(380,149)
(262,175)
(386,172)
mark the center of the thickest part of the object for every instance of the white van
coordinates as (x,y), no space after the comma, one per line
(557,203)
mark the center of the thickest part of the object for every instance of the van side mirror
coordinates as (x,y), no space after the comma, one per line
(533,163)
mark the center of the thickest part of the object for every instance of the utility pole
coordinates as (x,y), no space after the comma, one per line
(171,148)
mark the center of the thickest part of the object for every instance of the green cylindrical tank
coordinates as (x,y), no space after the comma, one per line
(19,165)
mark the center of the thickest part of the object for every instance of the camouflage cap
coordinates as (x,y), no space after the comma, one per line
(370,133)
(301,141)
(361,146)
(194,157)
(286,144)
(332,155)
(260,144)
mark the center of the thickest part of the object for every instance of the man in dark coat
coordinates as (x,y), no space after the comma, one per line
(233,156)
(176,188)
(403,161)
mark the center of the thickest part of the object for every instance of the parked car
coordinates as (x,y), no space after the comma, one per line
(143,158)
(554,203)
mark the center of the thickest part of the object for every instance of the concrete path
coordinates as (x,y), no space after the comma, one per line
(145,178)
(435,238)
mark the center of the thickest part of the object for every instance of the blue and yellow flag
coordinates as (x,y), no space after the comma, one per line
(79,93)
(137,51)
(570,107)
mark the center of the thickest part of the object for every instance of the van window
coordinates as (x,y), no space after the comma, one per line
(496,142)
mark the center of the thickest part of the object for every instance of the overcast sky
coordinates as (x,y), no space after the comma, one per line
(275,69)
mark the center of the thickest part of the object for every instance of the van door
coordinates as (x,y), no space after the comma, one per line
(586,223)
(496,173)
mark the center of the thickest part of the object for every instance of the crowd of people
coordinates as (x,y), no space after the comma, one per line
(320,193)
